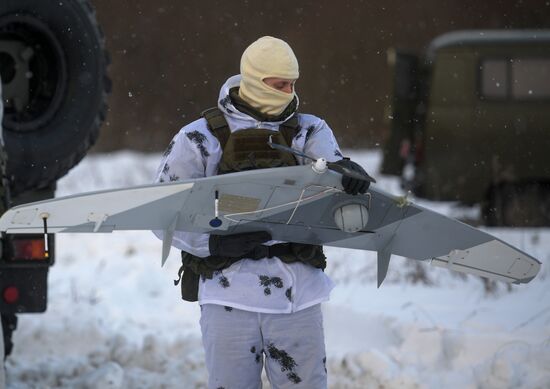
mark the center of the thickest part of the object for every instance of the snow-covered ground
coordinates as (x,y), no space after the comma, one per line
(115,320)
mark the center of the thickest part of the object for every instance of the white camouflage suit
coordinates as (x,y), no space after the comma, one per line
(255,308)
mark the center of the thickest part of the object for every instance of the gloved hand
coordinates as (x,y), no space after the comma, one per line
(236,245)
(353,185)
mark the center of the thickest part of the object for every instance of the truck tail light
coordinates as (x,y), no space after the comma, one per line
(10,294)
(29,249)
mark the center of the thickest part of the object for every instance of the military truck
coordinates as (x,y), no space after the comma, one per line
(53,68)
(470,122)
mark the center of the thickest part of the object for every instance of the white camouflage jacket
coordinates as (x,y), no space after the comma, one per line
(267,285)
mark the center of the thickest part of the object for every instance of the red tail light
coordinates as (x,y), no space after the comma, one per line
(10,294)
(28,249)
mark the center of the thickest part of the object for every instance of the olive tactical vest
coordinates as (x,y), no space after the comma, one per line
(248,149)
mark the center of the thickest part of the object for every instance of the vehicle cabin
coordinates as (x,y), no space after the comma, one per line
(471,122)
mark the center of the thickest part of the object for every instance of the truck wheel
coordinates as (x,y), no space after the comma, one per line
(518,205)
(53,66)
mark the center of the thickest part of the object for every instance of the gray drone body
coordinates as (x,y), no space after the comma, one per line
(303,204)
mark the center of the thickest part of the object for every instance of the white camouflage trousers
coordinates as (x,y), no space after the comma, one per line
(237,343)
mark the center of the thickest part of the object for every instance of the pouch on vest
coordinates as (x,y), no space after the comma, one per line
(189,284)
(306,253)
(248,149)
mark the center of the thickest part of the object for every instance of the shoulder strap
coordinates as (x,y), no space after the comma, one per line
(217,125)
(220,129)
(290,129)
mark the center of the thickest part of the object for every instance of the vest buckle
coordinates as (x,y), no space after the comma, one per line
(262,251)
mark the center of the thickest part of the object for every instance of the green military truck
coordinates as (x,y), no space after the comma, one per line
(53,68)
(470,122)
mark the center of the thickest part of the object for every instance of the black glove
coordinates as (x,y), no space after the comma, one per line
(353,185)
(236,245)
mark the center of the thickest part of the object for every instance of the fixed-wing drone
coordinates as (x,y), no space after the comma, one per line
(303,204)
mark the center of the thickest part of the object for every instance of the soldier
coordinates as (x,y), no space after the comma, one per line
(260,298)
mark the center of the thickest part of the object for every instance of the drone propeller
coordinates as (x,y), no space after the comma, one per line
(330,165)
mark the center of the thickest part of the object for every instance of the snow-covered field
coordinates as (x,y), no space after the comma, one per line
(115,320)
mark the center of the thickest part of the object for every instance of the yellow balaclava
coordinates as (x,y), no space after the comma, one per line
(267,57)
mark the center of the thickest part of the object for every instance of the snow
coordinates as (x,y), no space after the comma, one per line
(115,320)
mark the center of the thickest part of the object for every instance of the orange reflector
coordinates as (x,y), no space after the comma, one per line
(28,249)
(11,294)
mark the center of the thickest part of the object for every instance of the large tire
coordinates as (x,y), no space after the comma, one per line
(53,65)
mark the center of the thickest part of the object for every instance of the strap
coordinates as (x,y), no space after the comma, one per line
(290,129)
(217,125)
(220,129)
(288,252)
(193,268)
(263,251)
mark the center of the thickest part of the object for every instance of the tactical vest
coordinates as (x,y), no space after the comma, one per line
(242,150)
(248,149)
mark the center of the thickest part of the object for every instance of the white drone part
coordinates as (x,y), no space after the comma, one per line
(351,217)
(320,166)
